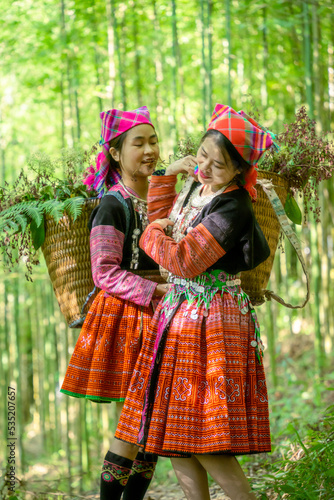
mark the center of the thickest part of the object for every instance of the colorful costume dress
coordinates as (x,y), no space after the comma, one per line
(199,385)
(104,357)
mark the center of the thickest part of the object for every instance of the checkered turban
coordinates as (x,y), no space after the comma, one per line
(246,135)
(114,123)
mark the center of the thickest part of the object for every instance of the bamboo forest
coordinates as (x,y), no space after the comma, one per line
(64,62)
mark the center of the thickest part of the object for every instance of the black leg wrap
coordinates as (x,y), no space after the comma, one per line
(141,475)
(115,474)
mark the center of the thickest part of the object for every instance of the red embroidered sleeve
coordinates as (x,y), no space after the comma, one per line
(106,249)
(193,255)
(161,195)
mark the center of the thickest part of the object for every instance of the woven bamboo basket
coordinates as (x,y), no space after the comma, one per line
(254,282)
(67,255)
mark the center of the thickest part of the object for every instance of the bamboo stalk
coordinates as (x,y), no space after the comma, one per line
(137,56)
(54,381)
(77,113)
(40,403)
(68,426)
(179,70)
(307,58)
(264,92)
(174,76)
(121,72)
(228,37)
(19,395)
(4,365)
(210,31)
(97,62)
(47,375)
(79,438)
(204,68)
(111,52)
(316,287)
(28,362)
(316,64)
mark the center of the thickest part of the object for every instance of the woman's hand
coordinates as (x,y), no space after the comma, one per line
(163,223)
(161,290)
(185,165)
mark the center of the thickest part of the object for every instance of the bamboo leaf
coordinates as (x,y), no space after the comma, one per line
(292,210)
(287,488)
(329,472)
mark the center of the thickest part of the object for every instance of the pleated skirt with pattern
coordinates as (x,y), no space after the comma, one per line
(106,351)
(209,394)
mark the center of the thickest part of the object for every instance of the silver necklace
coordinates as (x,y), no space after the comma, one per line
(140,207)
(194,206)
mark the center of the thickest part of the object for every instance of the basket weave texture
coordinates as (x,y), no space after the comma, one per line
(67,255)
(254,282)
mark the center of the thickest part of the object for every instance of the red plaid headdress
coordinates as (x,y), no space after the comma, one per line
(246,135)
(114,123)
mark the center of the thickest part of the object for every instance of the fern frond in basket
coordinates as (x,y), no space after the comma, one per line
(21,214)
(38,193)
(73,207)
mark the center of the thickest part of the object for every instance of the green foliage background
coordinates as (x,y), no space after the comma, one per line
(62,62)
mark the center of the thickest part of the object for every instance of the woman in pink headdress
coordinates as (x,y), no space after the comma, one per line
(198,392)
(104,357)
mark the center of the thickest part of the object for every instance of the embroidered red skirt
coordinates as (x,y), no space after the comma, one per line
(106,351)
(210,391)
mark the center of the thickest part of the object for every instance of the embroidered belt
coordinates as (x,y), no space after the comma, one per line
(201,287)
(201,290)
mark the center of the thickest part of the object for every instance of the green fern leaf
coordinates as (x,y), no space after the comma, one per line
(35,213)
(73,206)
(13,225)
(22,221)
(54,208)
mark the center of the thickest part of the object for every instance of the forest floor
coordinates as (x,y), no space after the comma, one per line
(174,492)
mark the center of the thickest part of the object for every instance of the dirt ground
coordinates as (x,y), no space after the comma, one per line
(174,492)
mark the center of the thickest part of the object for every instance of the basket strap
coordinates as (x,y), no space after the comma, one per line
(276,203)
(120,198)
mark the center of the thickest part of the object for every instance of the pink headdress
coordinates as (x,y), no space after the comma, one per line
(114,123)
(247,136)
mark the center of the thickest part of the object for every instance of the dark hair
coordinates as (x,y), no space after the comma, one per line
(116,143)
(225,144)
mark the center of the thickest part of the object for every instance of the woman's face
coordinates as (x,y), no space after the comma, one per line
(215,169)
(139,153)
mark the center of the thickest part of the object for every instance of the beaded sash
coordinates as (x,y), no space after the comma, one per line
(201,290)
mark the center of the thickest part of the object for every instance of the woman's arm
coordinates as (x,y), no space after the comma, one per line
(106,248)
(193,255)
(161,196)
(161,193)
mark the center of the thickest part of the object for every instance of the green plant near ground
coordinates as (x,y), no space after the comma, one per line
(39,191)
(306,469)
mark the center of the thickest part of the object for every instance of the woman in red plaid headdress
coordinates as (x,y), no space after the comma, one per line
(198,392)
(104,357)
